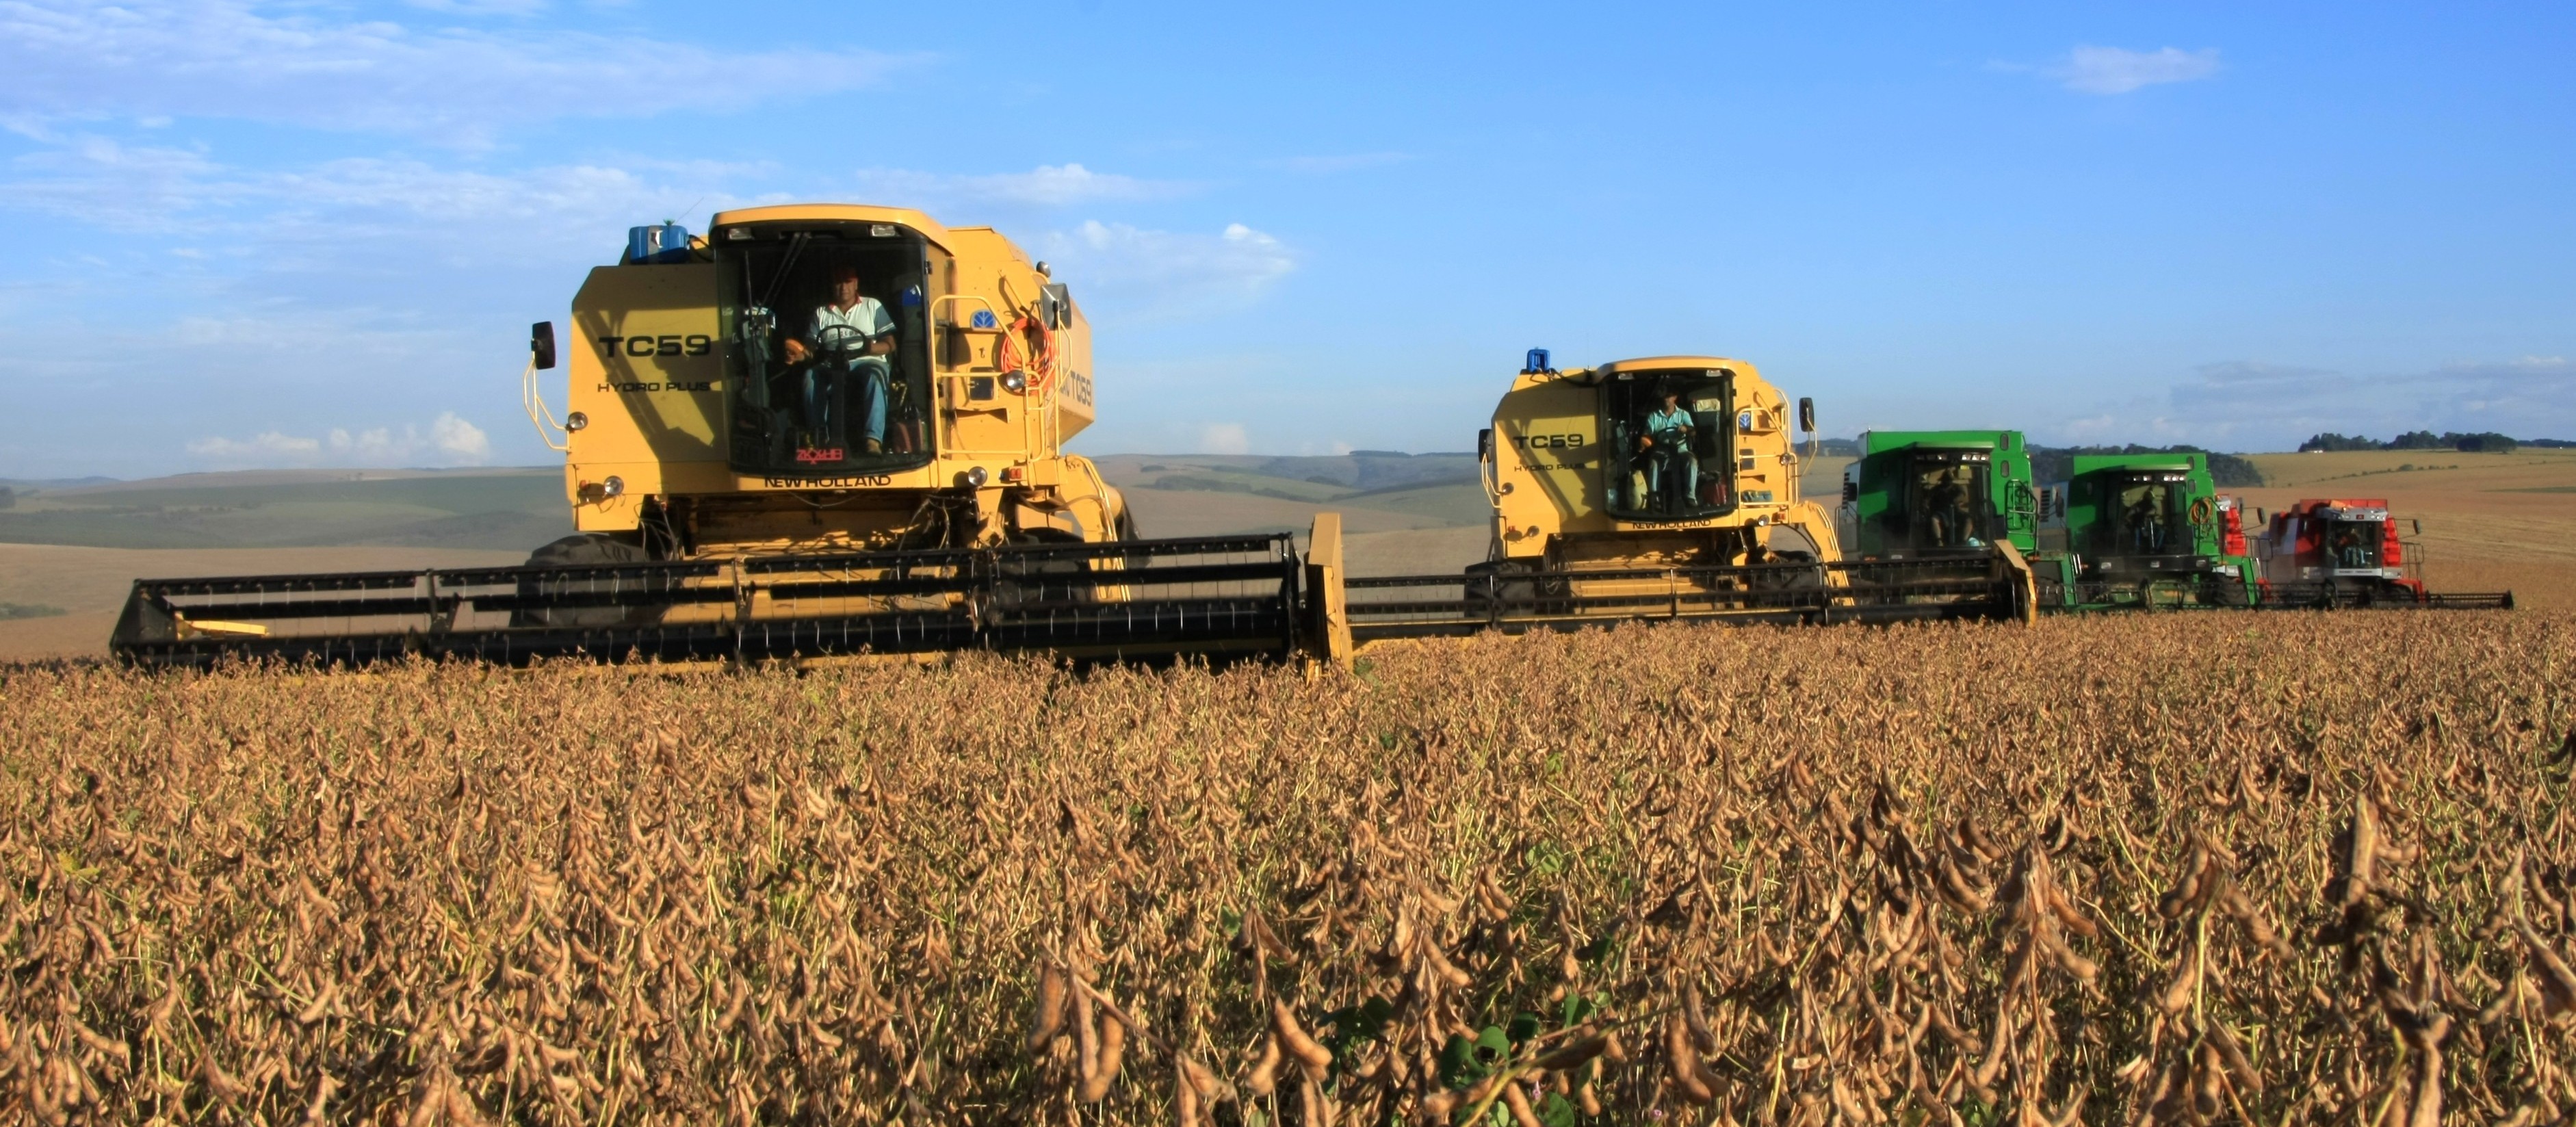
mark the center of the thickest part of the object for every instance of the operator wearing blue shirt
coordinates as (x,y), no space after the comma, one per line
(1667,446)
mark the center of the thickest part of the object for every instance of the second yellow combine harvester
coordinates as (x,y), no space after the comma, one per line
(1663,488)
(827,430)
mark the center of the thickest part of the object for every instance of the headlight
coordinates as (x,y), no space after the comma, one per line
(1015,382)
(615,486)
(975,478)
(576,421)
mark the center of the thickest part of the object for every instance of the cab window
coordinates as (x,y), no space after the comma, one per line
(1670,439)
(2147,516)
(1948,503)
(2353,543)
(827,347)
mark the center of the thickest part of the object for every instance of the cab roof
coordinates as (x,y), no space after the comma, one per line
(1669,363)
(917,222)
(1883,441)
(2169,461)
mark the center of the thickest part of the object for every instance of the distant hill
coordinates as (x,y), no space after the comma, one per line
(1374,490)
(1365,469)
(512,509)
(30,485)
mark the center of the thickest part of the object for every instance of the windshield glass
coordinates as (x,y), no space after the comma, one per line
(2352,543)
(1670,435)
(826,348)
(1949,505)
(2146,516)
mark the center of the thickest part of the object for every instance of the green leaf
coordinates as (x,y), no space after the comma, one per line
(1557,1111)
(1355,1025)
(1525,1026)
(1579,1007)
(1599,948)
(1459,1065)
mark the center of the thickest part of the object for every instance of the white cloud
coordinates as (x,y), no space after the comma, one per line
(268,446)
(1166,273)
(459,439)
(225,58)
(113,185)
(1057,185)
(1224,438)
(335,205)
(449,441)
(2111,70)
(481,7)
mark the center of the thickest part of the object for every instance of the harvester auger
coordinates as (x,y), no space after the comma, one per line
(1661,488)
(821,430)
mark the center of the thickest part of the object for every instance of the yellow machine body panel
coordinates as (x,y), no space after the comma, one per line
(1581,475)
(647,383)
(722,403)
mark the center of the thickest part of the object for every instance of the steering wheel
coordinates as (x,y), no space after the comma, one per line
(841,342)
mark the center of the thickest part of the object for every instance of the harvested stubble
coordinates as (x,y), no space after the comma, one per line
(2193,868)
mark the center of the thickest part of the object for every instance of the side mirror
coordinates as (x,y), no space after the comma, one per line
(1806,414)
(2419,526)
(1485,445)
(541,343)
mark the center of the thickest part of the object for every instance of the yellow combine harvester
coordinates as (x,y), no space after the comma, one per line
(818,430)
(1664,487)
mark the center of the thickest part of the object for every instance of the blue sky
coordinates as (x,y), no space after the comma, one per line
(313,234)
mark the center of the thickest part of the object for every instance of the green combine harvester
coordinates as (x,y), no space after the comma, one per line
(2124,531)
(2145,530)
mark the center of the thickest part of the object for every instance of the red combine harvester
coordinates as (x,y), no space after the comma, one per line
(2346,553)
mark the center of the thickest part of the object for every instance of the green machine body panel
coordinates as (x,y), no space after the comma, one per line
(2146,530)
(1928,493)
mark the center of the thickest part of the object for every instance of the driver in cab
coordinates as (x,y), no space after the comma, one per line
(1666,445)
(851,334)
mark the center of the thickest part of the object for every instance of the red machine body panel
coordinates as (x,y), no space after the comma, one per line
(2347,542)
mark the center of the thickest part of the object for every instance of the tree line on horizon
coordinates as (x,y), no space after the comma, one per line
(2483,442)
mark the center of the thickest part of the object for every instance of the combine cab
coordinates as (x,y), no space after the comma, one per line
(1930,495)
(821,430)
(2146,530)
(2345,553)
(1664,488)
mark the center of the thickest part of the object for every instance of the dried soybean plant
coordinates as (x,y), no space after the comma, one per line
(2198,868)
